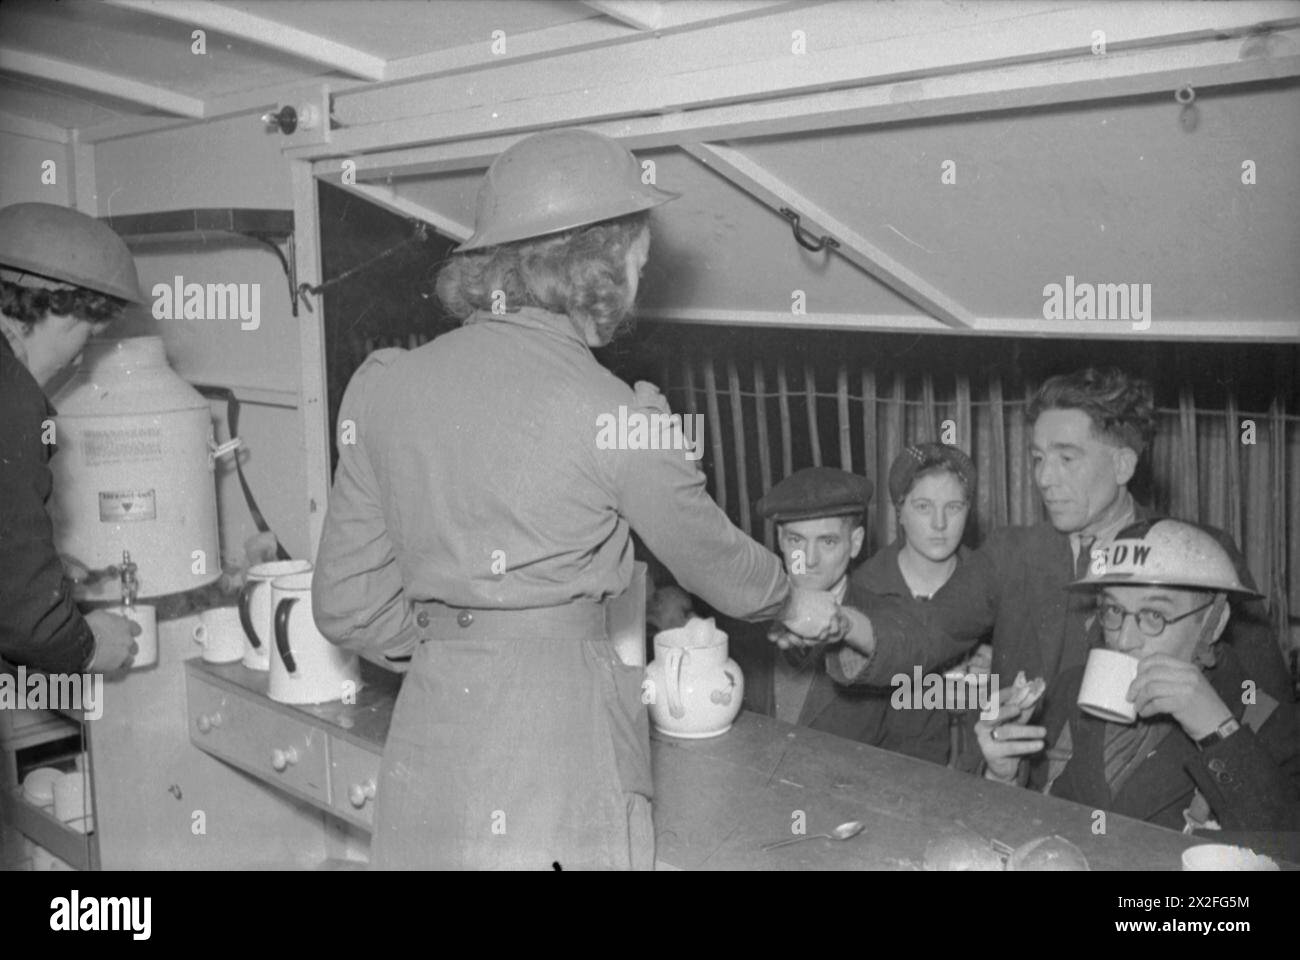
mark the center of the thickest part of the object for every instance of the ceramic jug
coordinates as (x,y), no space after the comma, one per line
(305,667)
(693,689)
(255,609)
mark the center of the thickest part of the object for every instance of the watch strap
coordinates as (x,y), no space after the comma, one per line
(1221,732)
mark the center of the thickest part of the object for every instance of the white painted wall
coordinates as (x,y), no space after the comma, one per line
(21,159)
(226,163)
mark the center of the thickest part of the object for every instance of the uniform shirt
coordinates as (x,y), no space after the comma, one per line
(40,626)
(476,479)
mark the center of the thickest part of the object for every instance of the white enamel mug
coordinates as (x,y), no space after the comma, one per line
(146,615)
(1104,691)
(255,609)
(220,634)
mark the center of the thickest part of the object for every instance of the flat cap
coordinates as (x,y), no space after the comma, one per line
(929,456)
(816,492)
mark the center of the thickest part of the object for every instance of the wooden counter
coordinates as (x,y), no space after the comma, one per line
(717,800)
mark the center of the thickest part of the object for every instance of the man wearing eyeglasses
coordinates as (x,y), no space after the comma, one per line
(1209,750)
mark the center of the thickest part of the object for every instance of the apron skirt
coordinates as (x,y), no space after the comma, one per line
(518,742)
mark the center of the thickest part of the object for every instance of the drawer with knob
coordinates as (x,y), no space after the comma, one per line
(259,739)
(354,777)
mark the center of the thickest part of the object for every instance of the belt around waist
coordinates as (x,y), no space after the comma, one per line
(581,616)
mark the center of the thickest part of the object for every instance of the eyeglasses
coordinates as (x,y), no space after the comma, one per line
(1151,622)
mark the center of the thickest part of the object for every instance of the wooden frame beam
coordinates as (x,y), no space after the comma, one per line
(768,189)
(702,68)
(638,14)
(101,82)
(1174,329)
(1023,86)
(313,403)
(302,44)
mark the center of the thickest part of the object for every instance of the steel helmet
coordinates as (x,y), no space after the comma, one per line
(62,244)
(1170,553)
(557,180)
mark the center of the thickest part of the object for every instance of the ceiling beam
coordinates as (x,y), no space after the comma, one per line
(72,74)
(38,129)
(580,37)
(870,257)
(719,65)
(232,22)
(640,14)
(1023,86)
(1181,330)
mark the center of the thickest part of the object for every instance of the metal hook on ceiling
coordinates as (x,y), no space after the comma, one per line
(1188,116)
(801,235)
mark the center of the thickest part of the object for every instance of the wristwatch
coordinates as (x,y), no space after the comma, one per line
(1221,732)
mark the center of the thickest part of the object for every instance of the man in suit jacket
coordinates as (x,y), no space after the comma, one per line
(1209,748)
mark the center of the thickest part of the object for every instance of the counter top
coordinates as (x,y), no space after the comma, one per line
(718,800)
(364,723)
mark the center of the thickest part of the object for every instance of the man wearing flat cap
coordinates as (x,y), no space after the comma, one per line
(818,513)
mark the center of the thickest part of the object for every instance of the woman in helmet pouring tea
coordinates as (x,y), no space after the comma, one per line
(478,520)
(63,276)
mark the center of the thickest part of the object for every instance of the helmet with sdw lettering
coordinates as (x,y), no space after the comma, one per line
(1168,553)
(557,180)
(58,243)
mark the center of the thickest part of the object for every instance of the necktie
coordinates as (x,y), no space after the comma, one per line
(1125,746)
(1074,645)
(1082,561)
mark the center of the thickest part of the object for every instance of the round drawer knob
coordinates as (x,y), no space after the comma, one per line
(203,723)
(359,793)
(282,759)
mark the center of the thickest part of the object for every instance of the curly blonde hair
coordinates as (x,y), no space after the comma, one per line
(581,273)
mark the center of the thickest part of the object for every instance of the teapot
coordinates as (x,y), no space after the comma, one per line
(693,689)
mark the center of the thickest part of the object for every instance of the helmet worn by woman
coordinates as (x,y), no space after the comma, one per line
(557,180)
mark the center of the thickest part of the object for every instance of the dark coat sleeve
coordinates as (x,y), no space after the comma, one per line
(930,634)
(1252,780)
(40,626)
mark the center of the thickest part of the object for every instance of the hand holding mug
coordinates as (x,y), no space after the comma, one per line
(114,643)
(812,615)
(1167,685)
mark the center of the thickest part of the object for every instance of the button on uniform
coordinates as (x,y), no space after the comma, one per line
(422,619)
(464,618)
